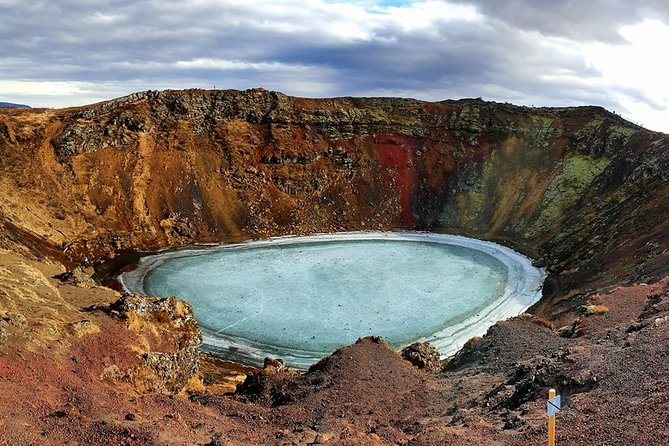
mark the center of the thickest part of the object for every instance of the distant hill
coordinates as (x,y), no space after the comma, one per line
(10,105)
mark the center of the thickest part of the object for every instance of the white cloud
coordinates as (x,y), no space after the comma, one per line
(425,15)
(637,65)
(225,65)
(41,88)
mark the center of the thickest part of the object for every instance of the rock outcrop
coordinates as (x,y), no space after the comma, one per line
(169,327)
(423,356)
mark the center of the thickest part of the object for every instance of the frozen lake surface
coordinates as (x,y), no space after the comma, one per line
(299,298)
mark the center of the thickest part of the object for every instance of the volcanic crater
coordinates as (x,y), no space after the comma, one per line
(578,189)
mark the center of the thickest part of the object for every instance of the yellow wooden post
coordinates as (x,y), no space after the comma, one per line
(551,422)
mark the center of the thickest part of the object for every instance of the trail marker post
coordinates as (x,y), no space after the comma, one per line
(552,407)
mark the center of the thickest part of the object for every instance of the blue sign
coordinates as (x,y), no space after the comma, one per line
(553,406)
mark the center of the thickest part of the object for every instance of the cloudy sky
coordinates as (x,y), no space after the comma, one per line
(612,53)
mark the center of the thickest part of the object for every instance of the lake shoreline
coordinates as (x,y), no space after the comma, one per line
(523,289)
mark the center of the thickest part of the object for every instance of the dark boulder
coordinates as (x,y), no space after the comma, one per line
(423,356)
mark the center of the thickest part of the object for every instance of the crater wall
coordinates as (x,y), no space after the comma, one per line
(580,189)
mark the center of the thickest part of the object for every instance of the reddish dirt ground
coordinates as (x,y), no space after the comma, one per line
(612,376)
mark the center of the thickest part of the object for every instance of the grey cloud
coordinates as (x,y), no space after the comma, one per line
(578,19)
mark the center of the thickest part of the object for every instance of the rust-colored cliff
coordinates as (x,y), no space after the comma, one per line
(580,188)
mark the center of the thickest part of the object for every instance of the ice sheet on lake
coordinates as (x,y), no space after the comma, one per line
(301,297)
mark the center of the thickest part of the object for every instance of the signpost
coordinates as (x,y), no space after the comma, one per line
(552,407)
